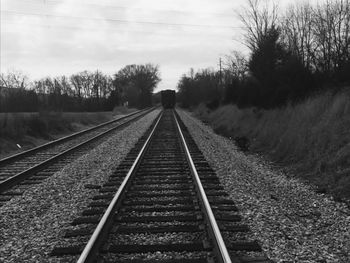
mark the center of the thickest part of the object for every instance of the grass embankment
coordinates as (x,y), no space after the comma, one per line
(310,139)
(32,129)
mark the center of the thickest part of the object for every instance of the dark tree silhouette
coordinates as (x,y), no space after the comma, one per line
(203,86)
(84,91)
(137,83)
(293,55)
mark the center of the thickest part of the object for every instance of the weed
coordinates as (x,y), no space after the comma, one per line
(312,138)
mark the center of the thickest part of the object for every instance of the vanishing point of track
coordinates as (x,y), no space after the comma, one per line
(163,203)
(33,166)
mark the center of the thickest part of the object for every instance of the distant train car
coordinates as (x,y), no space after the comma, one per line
(168,99)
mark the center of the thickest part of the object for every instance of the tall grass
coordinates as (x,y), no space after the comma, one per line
(311,138)
(16,125)
(32,129)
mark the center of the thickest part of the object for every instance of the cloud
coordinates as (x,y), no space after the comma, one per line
(66,36)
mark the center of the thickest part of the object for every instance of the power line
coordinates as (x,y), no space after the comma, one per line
(117,20)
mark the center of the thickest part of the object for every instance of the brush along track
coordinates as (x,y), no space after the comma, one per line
(154,208)
(31,167)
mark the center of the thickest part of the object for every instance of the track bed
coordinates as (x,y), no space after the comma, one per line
(152,208)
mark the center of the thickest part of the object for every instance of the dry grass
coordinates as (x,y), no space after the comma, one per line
(16,125)
(32,129)
(121,110)
(312,138)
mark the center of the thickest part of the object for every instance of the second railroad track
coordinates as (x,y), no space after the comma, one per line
(33,166)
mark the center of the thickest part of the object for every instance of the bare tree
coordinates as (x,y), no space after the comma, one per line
(39,87)
(65,86)
(99,84)
(258,19)
(87,83)
(341,33)
(296,28)
(14,79)
(76,81)
(236,65)
(109,87)
(49,85)
(332,33)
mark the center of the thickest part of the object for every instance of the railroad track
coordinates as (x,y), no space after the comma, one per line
(31,167)
(163,203)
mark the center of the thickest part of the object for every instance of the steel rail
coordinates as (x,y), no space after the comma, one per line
(52,143)
(219,242)
(13,180)
(92,246)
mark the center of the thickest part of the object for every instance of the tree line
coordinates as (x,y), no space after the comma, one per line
(293,54)
(84,91)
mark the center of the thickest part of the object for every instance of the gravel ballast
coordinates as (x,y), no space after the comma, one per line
(290,220)
(32,224)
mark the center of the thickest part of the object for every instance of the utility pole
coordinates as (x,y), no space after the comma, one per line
(218,91)
(220,70)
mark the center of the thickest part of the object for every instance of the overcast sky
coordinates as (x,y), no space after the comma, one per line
(55,37)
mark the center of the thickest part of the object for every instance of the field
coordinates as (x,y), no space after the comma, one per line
(22,131)
(310,140)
